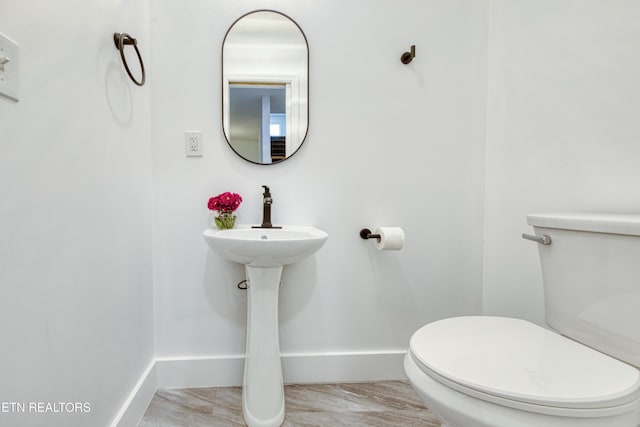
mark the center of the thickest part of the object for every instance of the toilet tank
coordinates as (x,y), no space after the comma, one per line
(591,277)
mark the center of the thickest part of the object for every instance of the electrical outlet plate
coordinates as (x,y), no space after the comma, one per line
(193,143)
(8,68)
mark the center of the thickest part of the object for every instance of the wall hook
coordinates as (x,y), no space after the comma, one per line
(407,57)
(121,40)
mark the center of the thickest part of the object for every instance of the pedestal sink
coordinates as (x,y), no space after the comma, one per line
(264,252)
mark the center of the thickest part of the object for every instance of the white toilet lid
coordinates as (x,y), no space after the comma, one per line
(518,360)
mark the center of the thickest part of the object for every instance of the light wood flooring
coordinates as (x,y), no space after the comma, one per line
(379,404)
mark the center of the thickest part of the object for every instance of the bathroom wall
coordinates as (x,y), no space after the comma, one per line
(75,216)
(563,130)
(388,144)
(428,146)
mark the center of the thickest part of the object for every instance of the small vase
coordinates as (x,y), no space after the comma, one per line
(225,221)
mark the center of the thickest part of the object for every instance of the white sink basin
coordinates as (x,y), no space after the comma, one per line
(265,247)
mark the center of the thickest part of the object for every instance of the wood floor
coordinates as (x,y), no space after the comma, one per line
(379,404)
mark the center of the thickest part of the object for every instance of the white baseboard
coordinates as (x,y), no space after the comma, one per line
(222,371)
(343,367)
(188,372)
(138,400)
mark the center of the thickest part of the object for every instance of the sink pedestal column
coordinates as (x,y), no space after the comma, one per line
(263,389)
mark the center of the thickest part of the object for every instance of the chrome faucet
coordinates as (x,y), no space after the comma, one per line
(266,209)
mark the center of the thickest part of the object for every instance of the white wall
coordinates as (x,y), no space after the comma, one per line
(563,130)
(75,211)
(388,144)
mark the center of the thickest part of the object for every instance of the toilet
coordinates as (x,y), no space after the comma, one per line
(484,371)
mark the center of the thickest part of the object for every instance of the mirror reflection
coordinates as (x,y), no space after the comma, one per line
(265,87)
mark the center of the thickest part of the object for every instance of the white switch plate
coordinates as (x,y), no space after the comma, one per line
(193,143)
(9,51)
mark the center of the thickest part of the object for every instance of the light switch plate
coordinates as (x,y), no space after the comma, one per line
(9,55)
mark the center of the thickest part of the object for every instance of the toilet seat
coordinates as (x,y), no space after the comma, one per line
(516,363)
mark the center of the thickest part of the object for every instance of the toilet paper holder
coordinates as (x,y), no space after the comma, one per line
(365,233)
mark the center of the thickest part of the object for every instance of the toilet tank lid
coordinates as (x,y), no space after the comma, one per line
(628,224)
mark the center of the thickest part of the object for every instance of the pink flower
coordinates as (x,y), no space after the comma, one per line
(225,203)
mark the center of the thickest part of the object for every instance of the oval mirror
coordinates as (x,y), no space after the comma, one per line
(265,87)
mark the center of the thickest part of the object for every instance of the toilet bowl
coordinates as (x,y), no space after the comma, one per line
(482,371)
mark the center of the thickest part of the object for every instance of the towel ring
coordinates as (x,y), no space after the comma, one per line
(122,39)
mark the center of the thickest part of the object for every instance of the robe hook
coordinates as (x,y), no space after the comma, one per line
(407,57)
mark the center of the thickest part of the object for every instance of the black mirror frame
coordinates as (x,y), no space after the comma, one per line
(304,138)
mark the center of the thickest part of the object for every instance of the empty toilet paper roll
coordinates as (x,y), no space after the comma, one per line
(391,238)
